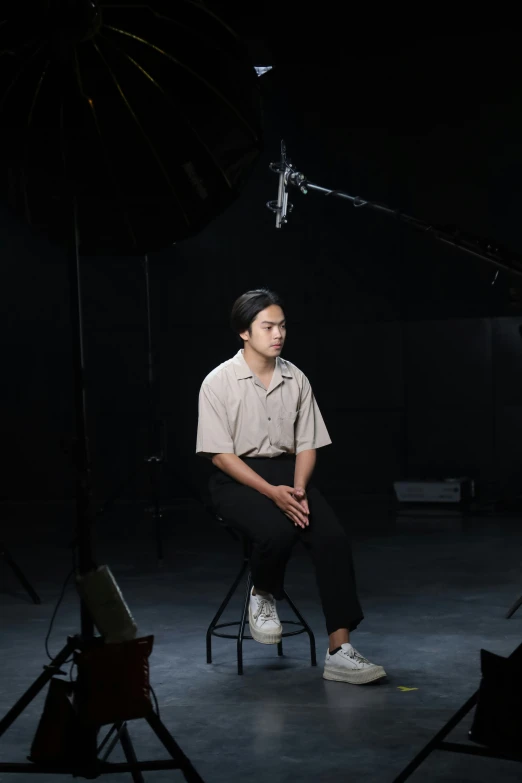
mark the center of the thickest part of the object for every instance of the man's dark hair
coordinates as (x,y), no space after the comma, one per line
(248,305)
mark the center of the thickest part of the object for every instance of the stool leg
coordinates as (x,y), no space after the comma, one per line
(222,609)
(280,648)
(306,626)
(242,625)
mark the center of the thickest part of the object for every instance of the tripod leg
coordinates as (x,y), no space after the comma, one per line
(514,608)
(36,687)
(130,755)
(435,742)
(161,731)
(20,575)
(114,733)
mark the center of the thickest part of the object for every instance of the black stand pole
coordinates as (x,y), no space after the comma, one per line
(156,457)
(89,765)
(156,437)
(84,507)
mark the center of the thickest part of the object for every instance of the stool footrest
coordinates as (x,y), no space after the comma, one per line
(302,629)
(302,625)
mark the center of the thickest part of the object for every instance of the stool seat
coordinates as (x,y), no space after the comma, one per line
(212,630)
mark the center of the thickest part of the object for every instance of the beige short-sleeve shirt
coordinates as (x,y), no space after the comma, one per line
(238,415)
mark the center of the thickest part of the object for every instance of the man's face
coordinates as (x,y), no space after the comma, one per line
(268,332)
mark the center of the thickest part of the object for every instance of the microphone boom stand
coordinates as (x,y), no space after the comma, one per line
(477,246)
(487,249)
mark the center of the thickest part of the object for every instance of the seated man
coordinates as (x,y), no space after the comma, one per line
(261,426)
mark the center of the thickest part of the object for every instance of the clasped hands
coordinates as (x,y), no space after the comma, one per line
(293,503)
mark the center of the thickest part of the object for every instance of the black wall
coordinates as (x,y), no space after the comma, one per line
(414,356)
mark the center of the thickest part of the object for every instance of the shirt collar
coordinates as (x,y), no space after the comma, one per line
(242,369)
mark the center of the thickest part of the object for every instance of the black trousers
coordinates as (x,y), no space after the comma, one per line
(273,536)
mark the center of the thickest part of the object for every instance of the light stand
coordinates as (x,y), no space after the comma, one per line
(89,765)
(438,742)
(156,436)
(156,456)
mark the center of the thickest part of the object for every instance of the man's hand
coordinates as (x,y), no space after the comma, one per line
(284,499)
(300,496)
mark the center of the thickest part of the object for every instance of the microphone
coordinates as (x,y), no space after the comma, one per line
(281,207)
(282,192)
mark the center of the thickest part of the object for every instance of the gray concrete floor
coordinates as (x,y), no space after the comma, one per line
(434,591)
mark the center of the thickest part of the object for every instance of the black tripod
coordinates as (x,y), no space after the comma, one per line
(90,765)
(4,552)
(438,741)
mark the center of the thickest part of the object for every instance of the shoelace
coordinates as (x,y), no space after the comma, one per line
(357,657)
(268,610)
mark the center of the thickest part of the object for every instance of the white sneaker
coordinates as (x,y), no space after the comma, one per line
(347,665)
(265,626)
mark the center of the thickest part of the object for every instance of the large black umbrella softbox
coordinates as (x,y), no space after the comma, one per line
(126,126)
(148,113)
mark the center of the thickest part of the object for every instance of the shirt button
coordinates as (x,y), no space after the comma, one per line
(269,419)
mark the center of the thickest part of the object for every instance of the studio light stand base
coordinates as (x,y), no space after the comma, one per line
(89,765)
(96,766)
(438,743)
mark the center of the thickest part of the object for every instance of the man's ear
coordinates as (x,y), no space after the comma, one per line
(245,335)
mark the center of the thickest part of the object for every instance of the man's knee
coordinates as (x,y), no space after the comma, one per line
(277,539)
(329,523)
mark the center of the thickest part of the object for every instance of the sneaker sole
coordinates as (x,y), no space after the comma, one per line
(355,677)
(259,636)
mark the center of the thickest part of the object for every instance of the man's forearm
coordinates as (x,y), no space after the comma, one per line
(233,466)
(304,467)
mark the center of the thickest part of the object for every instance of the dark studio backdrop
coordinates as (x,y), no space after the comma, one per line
(414,356)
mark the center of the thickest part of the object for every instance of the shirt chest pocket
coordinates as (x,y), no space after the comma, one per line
(286,420)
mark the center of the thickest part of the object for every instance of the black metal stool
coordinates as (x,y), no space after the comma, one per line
(212,629)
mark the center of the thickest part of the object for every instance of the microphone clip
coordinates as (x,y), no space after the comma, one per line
(287,176)
(281,207)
